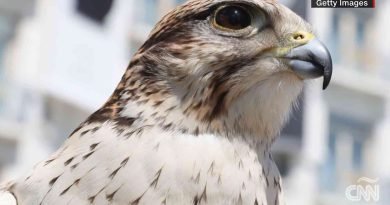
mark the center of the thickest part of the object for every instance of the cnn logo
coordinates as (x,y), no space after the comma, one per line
(368,192)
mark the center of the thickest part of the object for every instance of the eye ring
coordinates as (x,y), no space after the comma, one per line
(258,20)
(232,18)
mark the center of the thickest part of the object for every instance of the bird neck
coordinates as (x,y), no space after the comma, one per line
(145,97)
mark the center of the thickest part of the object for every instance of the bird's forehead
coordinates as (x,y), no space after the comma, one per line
(194,4)
(195,7)
(235,1)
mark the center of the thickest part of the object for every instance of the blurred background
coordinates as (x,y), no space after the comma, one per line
(61,59)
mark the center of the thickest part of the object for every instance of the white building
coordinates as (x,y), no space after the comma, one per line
(62,59)
(355,110)
(61,64)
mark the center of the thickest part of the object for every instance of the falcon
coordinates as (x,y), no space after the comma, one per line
(194,116)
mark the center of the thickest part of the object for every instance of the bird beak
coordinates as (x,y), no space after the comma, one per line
(311,60)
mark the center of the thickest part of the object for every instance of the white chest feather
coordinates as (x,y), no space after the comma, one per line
(102,165)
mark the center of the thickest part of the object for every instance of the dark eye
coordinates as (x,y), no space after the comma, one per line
(233,18)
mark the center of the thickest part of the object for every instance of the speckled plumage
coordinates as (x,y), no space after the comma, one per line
(191,121)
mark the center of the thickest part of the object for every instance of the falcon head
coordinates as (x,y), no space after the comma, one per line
(225,66)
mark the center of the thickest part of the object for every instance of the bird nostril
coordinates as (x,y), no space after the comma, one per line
(298,36)
(301,37)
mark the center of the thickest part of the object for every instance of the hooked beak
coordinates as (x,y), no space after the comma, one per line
(311,60)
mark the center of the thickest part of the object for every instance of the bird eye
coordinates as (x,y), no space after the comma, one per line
(232,18)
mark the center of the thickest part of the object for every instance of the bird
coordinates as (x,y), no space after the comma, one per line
(193,118)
